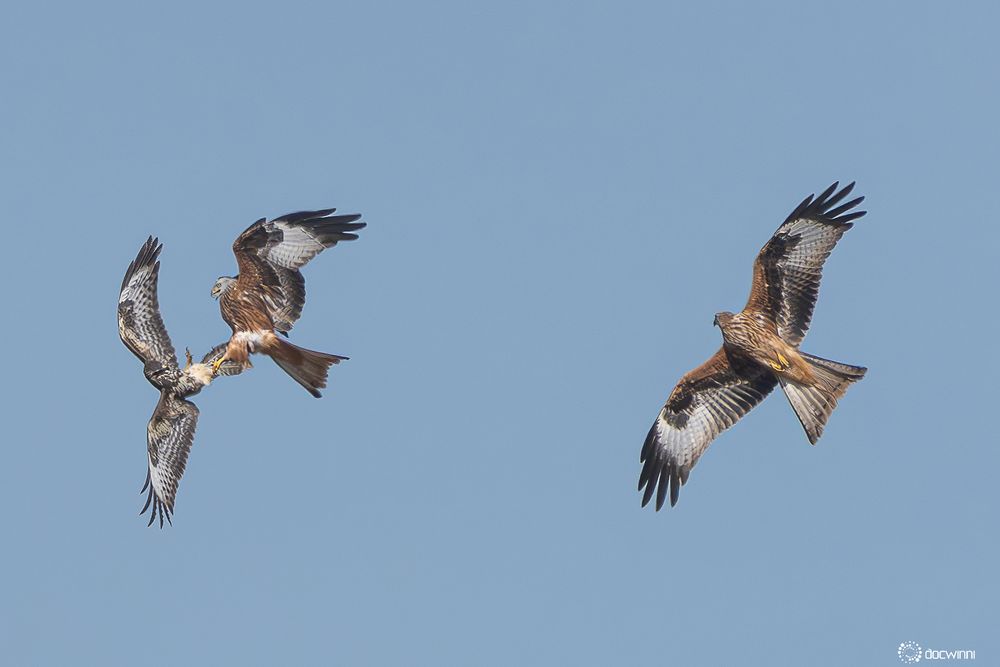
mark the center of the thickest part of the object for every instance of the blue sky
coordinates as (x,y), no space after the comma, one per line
(559,198)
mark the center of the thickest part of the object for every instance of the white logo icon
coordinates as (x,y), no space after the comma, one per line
(909,652)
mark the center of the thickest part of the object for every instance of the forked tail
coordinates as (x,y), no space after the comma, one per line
(306,367)
(813,405)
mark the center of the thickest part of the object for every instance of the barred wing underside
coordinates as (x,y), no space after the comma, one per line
(705,402)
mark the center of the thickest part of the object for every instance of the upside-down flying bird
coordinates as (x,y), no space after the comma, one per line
(760,349)
(170,431)
(267,296)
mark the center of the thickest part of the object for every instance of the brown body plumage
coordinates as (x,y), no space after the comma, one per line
(760,350)
(267,297)
(753,335)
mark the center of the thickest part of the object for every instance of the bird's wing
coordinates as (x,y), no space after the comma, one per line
(228,367)
(284,245)
(293,297)
(256,276)
(705,402)
(139,323)
(787,271)
(168,438)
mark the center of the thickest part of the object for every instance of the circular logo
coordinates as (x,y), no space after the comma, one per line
(909,652)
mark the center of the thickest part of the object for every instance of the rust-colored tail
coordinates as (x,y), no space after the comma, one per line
(306,367)
(813,405)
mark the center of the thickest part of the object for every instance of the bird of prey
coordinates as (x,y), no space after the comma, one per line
(267,296)
(760,349)
(170,431)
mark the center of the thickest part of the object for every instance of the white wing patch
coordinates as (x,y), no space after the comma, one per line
(297,247)
(691,419)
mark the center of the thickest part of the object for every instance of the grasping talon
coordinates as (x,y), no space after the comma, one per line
(217,364)
(187,355)
(781,364)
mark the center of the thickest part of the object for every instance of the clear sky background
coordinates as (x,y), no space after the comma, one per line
(559,197)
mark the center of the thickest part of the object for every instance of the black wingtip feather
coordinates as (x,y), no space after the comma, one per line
(833,213)
(661,492)
(146,256)
(648,493)
(331,230)
(149,499)
(824,207)
(658,476)
(646,457)
(797,211)
(159,509)
(322,216)
(846,219)
(647,446)
(298,216)
(327,229)
(826,193)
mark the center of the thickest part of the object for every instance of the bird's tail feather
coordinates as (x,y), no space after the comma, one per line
(814,404)
(307,367)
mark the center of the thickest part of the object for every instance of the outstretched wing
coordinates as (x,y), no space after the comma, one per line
(705,402)
(274,251)
(787,271)
(139,323)
(168,441)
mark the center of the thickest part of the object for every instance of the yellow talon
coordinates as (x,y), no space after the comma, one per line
(217,364)
(775,365)
(784,362)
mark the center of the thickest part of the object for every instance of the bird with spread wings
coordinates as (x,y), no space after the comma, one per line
(267,296)
(170,431)
(760,350)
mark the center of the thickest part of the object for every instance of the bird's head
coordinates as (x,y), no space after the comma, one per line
(722,319)
(221,285)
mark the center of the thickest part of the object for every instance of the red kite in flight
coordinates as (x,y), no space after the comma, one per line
(760,349)
(267,296)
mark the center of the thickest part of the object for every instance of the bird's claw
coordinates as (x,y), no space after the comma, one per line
(781,364)
(187,355)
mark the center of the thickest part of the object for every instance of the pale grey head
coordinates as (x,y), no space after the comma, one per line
(221,285)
